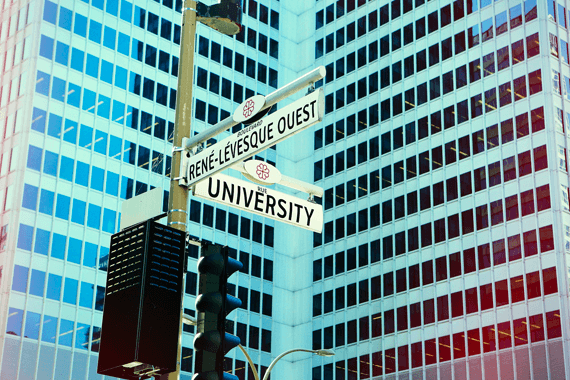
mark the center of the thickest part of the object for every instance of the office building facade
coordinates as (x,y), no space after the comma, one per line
(443,159)
(442,155)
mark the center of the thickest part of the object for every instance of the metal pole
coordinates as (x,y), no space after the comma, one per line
(282,93)
(178,196)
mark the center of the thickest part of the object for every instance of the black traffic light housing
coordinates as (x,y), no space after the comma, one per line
(143,297)
(213,304)
(225,17)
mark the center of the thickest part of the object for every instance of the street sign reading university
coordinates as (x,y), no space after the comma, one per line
(256,137)
(262,201)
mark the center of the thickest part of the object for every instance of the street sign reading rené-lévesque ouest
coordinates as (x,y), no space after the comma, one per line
(261,201)
(257,137)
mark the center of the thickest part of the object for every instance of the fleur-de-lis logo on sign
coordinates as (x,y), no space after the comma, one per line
(262,171)
(248,108)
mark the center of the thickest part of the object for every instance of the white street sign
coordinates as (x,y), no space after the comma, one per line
(249,108)
(141,207)
(261,201)
(261,172)
(256,137)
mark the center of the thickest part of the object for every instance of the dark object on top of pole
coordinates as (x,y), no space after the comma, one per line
(224,17)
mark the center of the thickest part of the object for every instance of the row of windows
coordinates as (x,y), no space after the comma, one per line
(338,195)
(476,299)
(226,84)
(98,178)
(405,36)
(500,250)
(535,328)
(53,328)
(83,213)
(254,336)
(395,107)
(71,94)
(408,5)
(74,292)
(564,51)
(237,61)
(370,218)
(557,15)
(205,216)
(78,252)
(260,44)
(402,319)
(368,290)
(250,7)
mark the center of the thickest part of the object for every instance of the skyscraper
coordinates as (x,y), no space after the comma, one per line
(442,155)
(443,158)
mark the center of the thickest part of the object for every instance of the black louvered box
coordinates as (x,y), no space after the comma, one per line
(141,316)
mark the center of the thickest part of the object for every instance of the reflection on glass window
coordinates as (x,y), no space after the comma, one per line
(65,333)
(32,327)
(49,329)
(14,326)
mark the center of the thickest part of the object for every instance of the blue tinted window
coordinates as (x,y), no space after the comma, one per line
(15,317)
(20,279)
(50,162)
(143,157)
(58,90)
(46,47)
(118,111)
(112,184)
(66,168)
(65,16)
(176,37)
(42,83)
(126,11)
(97,178)
(165,29)
(82,174)
(39,120)
(148,89)
(137,49)
(95,31)
(73,99)
(90,255)
(46,202)
(115,147)
(74,251)
(150,56)
(32,327)
(152,24)
(106,71)
(50,11)
(94,216)
(78,212)
(127,185)
(42,241)
(161,94)
(70,291)
(66,332)
(88,101)
(37,283)
(49,329)
(86,295)
(30,199)
(85,136)
(80,26)
(121,77)
(25,236)
(135,83)
(62,53)
(109,38)
(99,298)
(92,67)
(82,333)
(58,246)
(77,57)
(98,3)
(104,106)
(132,117)
(129,152)
(109,220)
(124,44)
(139,17)
(62,206)
(54,125)
(112,7)
(34,158)
(53,290)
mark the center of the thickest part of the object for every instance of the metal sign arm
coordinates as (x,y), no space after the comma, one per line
(271,99)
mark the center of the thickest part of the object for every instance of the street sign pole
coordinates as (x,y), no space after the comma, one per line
(178,196)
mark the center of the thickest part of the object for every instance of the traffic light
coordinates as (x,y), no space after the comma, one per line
(143,297)
(212,305)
